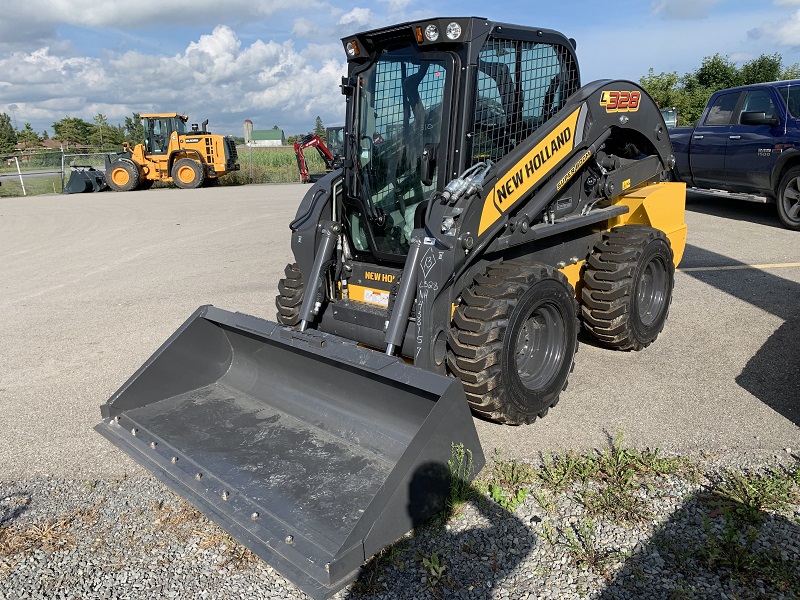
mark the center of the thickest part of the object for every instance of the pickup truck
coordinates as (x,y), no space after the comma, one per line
(746,141)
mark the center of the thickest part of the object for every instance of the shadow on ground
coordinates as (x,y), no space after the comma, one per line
(712,543)
(733,208)
(773,374)
(477,555)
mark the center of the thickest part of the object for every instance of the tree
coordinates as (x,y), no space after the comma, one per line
(72,130)
(761,69)
(8,137)
(319,130)
(28,136)
(134,129)
(690,93)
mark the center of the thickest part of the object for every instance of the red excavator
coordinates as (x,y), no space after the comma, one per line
(331,154)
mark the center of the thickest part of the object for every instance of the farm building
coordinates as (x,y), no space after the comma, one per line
(267,137)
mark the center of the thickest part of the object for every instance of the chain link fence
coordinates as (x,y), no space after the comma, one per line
(42,172)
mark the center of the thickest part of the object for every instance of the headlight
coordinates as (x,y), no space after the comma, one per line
(453,31)
(432,33)
(352,49)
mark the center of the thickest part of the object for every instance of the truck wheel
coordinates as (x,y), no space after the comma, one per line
(122,176)
(789,199)
(290,296)
(188,174)
(627,287)
(514,340)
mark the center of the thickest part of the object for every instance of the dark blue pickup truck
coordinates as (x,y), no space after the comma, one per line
(747,140)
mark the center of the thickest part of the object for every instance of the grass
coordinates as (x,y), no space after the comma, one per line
(258,165)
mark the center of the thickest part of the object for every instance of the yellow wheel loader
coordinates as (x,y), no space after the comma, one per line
(170,152)
(488,205)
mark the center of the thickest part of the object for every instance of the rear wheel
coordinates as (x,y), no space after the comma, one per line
(514,341)
(122,176)
(789,199)
(627,287)
(290,296)
(187,173)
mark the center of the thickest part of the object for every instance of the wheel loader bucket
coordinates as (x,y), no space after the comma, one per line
(85,180)
(313,452)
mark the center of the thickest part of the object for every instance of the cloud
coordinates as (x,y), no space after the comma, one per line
(216,77)
(358,17)
(683,9)
(785,32)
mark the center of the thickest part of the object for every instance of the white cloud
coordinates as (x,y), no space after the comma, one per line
(785,32)
(683,9)
(216,77)
(358,17)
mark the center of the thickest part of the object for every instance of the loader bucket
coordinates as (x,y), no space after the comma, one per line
(85,179)
(312,451)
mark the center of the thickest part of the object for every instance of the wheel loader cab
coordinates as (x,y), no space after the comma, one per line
(419,112)
(158,129)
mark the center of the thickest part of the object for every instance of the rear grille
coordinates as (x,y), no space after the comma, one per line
(230,151)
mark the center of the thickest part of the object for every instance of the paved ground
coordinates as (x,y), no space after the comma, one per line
(93,284)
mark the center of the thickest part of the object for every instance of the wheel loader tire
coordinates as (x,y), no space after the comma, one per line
(146,184)
(188,174)
(788,200)
(290,296)
(122,176)
(627,287)
(513,341)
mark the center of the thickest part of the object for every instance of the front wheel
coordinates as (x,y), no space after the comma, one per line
(188,173)
(122,176)
(514,340)
(788,200)
(627,287)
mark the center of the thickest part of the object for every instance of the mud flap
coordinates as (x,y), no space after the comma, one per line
(85,179)
(311,451)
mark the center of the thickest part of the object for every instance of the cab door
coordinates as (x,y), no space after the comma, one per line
(710,140)
(749,155)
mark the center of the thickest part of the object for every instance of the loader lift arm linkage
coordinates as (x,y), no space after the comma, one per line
(487,204)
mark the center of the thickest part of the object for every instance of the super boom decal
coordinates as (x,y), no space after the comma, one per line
(529,170)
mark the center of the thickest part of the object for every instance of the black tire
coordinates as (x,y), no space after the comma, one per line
(290,296)
(627,287)
(146,184)
(188,174)
(122,176)
(514,340)
(788,200)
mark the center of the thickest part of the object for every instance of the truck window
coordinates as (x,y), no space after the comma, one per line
(721,111)
(759,101)
(791,96)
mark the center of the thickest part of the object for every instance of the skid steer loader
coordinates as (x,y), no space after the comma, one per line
(487,205)
(172,153)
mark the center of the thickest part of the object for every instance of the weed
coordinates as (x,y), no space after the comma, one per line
(374,570)
(544,500)
(750,495)
(618,504)
(508,482)
(549,533)
(581,545)
(233,555)
(461,467)
(435,570)
(49,535)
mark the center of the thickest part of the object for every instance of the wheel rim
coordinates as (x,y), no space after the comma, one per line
(186,174)
(791,200)
(652,290)
(540,346)
(120,176)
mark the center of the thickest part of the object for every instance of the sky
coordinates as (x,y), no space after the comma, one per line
(280,62)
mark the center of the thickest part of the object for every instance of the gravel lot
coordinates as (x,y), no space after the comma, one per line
(92,284)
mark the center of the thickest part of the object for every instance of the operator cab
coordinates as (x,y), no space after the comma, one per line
(427,100)
(158,128)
